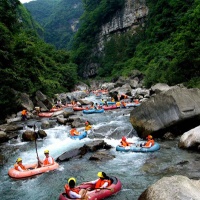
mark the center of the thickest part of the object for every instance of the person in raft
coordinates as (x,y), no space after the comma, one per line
(103,181)
(74,132)
(87,126)
(124,142)
(19,166)
(48,160)
(150,142)
(74,192)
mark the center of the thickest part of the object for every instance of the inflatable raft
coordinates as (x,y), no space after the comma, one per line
(111,107)
(81,136)
(76,108)
(97,195)
(45,114)
(91,111)
(55,109)
(32,172)
(137,148)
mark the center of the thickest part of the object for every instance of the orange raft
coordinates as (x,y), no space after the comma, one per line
(32,171)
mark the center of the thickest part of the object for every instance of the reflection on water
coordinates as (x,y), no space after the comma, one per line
(136,171)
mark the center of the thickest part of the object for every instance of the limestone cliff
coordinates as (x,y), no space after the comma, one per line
(129,18)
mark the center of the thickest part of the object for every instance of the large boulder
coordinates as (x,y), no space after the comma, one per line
(173,188)
(26,101)
(3,137)
(175,110)
(190,139)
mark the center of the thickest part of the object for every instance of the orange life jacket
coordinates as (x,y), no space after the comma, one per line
(118,104)
(19,165)
(125,143)
(46,161)
(68,189)
(148,143)
(100,182)
(24,112)
(74,132)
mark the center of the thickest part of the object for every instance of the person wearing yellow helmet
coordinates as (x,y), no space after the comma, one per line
(19,166)
(150,142)
(48,160)
(103,181)
(74,192)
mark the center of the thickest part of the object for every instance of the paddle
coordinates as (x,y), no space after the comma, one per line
(39,165)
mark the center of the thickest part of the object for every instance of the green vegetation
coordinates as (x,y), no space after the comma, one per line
(59,19)
(96,12)
(165,50)
(27,64)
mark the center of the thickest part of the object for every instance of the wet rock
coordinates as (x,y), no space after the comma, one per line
(74,153)
(78,153)
(171,188)
(45,124)
(101,155)
(29,135)
(168,136)
(190,139)
(11,127)
(62,120)
(175,110)
(42,133)
(98,144)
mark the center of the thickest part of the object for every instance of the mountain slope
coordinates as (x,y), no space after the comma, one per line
(60,19)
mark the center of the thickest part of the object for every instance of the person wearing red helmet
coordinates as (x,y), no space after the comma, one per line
(150,142)
(124,142)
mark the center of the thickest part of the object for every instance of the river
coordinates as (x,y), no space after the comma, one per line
(136,171)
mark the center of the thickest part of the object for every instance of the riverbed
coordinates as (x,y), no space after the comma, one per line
(136,171)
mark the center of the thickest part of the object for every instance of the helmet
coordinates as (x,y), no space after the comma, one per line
(124,138)
(72,179)
(100,175)
(46,151)
(18,160)
(149,137)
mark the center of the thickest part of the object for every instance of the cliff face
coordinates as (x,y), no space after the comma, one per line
(128,19)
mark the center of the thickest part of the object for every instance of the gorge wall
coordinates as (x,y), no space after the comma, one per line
(133,14)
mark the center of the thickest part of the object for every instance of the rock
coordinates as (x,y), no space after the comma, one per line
(62,120)
(45,124)
(42,133)
(160,87)
(29,135)
(169,136)
(91,147)
(172,110)
(72,154)
(16,119)
(3,137)
(26,101)
(190,139)
(172,188)
(98,144)
(101,155)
